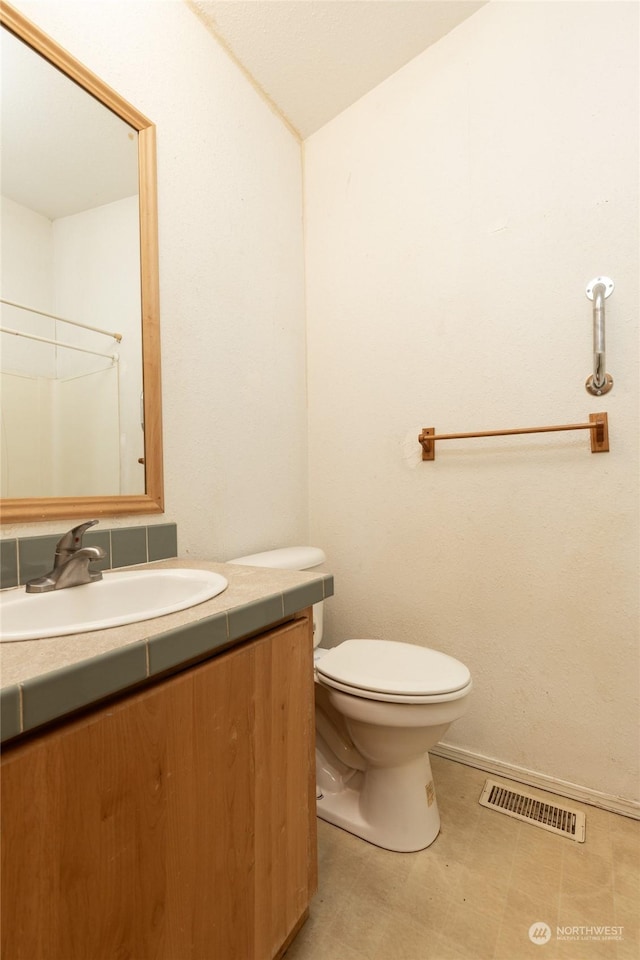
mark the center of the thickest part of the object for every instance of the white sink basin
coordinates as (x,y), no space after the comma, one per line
(121,597)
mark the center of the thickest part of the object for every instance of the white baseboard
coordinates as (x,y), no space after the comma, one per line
(627,808)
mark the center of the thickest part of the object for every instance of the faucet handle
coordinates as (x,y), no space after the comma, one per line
(71,541)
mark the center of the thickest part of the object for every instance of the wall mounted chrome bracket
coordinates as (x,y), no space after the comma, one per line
(598,290)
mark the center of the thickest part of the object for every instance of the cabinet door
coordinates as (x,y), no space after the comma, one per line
(175,824)
(285,787)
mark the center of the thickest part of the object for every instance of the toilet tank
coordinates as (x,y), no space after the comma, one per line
(290,558)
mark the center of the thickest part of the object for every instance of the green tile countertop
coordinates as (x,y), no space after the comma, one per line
(44,680)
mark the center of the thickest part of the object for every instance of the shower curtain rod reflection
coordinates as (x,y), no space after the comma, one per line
(59,343)
(53,316)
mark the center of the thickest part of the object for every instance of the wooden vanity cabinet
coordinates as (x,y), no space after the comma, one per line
(177,823)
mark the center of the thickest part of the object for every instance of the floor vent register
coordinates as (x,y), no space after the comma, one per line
(522,806)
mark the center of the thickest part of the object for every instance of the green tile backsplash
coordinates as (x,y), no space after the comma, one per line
(128,546)
(8,563)
(35,556)
(28,557)
(162,540)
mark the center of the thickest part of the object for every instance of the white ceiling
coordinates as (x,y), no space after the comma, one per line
(314,58)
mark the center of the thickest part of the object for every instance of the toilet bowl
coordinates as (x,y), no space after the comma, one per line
(380,705)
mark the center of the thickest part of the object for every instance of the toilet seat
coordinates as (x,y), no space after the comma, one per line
(394,672)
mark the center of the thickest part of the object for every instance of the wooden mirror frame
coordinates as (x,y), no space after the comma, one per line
(16,509)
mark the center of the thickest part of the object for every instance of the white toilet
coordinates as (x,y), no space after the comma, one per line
(380,705)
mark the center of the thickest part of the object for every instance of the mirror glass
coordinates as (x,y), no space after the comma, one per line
(79,364)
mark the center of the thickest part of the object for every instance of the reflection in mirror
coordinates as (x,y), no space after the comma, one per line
(70,396)
(79,290)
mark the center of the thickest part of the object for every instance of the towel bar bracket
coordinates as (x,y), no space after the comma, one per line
(428,447)
(599,435)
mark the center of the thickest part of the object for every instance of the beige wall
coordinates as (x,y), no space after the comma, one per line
(453,219)
(231,274)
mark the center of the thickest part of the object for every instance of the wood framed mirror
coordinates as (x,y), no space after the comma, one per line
(143,494)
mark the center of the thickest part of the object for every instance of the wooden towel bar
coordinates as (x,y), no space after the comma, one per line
(598,426)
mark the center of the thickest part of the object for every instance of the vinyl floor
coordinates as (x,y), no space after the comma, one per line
(477,891)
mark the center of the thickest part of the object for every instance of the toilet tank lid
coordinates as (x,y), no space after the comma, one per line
(285,558)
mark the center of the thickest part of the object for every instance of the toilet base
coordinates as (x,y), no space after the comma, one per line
(394,808)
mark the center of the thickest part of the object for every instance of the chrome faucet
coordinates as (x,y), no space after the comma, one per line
(70,563)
